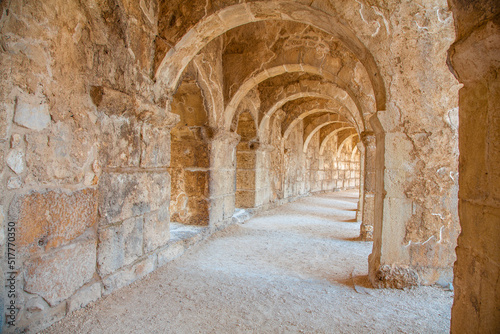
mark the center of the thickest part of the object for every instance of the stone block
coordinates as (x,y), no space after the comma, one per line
(15,160)
(39,320)
(196,182)
(245,159)
(155,146)
(60,156)
(84,296)
(119,245)
(14,183)
(245,199)
(32,113)
(50,219)
(198,209)
(129,195)
(223,153)
(189,153)
(156,229)
(222,182)
(229,201)
(216,213)
(129,275)
(234,16)
(171,252)
(396,277)
(245,179)
(57,275)
(121,141)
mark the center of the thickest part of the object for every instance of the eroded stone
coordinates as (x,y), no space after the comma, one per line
(70,268)
(119,245)
(49,219)
(129,195)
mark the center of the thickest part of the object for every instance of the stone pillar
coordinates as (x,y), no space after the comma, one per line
(475,60)
(366,228)
(246,174)
(263,185)
(359,212)
(222,182)
(134,188)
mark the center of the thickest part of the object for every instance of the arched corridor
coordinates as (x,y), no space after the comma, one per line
(298,268)
(131,130)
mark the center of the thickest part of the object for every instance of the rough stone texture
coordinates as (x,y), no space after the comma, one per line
(172,252)
(32,113)
(62,155)
(121,145)
(475,61)
(84,296)
(156,229)
(119,245)
(155,146)
(46,220)
(14,183)
(396,277)
(129,195)
(271,98)
(129,275)
(15,161)
(57,275)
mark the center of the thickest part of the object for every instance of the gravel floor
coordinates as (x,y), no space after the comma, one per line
(298,268)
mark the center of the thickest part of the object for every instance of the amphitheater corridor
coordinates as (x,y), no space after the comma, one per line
(298,268)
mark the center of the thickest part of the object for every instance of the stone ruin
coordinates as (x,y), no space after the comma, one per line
(130,130)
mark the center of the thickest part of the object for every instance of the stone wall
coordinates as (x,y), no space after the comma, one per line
(475,60)
(118,116)
(85,151)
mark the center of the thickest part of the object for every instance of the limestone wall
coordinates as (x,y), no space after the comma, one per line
(476,62)
(118,116)
(84,153)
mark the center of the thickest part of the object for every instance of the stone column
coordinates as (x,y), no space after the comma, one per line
(246,174)
(263,185)
(368,206)
(475,60)
(359,212)
(222,182)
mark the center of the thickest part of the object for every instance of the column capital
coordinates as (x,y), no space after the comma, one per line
(368,138)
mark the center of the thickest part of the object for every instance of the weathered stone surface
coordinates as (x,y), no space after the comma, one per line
(245,179)
(61,156)
(39,320)
(84,296)
(129,275)
(172,252)
(129,195)
(156,229)
(83,86)
(15,160)
(119,245)
(396,277)
(49,219)
(57,275)
(32,113)
(6,112)
(14,183)
(121,145)
(245,159)
(155,146)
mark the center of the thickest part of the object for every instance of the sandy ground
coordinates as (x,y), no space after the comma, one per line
(295,269)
